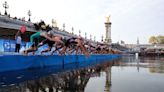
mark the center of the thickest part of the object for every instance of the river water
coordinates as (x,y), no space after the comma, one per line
(128,74)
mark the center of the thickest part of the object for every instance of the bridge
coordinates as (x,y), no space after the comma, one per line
(145,49)
(11,25)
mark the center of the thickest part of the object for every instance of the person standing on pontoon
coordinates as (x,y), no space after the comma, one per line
(18,41)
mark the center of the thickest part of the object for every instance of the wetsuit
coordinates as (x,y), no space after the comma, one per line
(50,43)
(36,38)
(70,42)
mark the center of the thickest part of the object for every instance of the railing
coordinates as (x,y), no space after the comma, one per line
(11,23)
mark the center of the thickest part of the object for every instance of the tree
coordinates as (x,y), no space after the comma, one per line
(153,40)
(160,39)
(156,39)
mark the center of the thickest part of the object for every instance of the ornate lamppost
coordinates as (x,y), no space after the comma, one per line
(85,35)
(94,38)
(90,37)
(102,38)
(72,30)
(80,33)
(29,14)
(6,6)
(64,27)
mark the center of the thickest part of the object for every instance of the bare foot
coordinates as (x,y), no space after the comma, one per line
(25,53)
(33,53)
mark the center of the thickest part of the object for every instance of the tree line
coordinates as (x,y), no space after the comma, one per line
(156,39)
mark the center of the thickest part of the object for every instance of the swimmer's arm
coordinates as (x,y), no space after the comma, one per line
(17,35)
(42,43)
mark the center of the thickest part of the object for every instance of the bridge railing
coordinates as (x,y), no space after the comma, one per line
(11,23)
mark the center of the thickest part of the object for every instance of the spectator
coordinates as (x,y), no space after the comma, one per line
(18,41)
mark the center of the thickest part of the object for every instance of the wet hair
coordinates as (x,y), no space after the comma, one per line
(48,28)
(42,26)
(41,23)
(36,26)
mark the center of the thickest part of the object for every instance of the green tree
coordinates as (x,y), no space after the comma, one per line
(153,40)
(160,39)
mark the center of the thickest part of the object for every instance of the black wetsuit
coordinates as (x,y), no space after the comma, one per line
(69,42)
(50,43)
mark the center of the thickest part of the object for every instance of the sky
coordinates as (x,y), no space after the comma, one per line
(131,19)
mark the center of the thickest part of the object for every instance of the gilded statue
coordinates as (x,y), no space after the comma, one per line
(108,19)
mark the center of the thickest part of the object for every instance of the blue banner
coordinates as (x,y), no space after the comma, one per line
(9,45)
(1,46)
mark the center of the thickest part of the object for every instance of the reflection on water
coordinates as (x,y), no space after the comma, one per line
(143,74)
(129,74)
(70,81)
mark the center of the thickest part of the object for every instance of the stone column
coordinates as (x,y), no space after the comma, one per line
(108,39)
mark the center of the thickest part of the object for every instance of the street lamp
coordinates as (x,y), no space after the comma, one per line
(94,38)
(102,38)
(6,6)
(72,30)
(64,27)
(29,14)
(79,32)
(85,35)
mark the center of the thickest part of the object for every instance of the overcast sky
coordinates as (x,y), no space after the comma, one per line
(130,18)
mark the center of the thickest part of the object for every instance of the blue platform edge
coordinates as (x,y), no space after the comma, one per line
(20,62)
